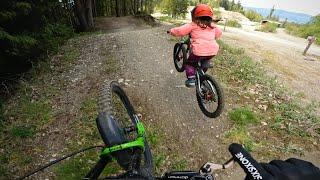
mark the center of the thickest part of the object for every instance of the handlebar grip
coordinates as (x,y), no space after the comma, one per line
(252,168)
(205,169)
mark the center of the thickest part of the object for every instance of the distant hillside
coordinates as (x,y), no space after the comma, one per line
(292,16)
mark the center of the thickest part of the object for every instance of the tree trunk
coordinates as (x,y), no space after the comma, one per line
(94,8)
(83,9)
(124,7)
(117,9)
(135,6)
(89,14)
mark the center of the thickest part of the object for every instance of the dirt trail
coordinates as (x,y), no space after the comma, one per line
(282,55)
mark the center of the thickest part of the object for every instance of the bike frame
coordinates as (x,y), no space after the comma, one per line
(139,142)
(199,73)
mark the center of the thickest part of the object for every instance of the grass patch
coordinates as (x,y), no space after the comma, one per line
(297,120)
(111,65)
(243,116)
(241,136)
(285,119)
(154,137)
(305,30)
(268,27)
(30,112)
(253,15)
(77,167)
(179,164)
(70,56)
(22,132)
(233,23)
(159,161)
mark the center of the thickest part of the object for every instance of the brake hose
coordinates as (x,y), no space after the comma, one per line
(58,160)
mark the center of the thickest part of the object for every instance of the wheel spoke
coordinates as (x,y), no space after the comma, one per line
(209,96)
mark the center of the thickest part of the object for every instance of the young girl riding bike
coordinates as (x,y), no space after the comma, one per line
(203,34)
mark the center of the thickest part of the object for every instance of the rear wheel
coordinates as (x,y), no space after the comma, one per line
(117,125)
(210,96)
(179,56)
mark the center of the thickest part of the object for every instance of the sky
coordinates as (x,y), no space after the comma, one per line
(311,7)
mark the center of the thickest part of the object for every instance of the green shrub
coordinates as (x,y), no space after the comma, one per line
(268,27)
(304,30)
(253,15)
(233,23)
(54,34)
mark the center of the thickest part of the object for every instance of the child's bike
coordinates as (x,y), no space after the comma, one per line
(209,92)
(124,136)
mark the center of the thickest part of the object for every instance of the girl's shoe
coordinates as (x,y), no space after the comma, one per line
(190,82)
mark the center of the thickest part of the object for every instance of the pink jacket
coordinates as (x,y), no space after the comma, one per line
(203,42)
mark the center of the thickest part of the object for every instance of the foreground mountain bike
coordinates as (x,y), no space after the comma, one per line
(124,138)
(126,142)
(209,92)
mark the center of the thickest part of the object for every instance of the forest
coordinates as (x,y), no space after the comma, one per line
(31,30)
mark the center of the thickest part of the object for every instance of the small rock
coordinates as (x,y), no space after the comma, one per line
(263,107)
(171,71)
(264,123)
(315,143)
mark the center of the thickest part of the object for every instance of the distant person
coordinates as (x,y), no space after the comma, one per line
(203,34)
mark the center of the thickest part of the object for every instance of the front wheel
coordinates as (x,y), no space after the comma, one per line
(179,56)
(210,96)
(116,115)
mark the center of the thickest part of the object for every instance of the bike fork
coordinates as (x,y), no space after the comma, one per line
(177,53)
(198,83)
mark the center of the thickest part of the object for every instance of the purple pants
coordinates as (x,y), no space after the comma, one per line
(192,61)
